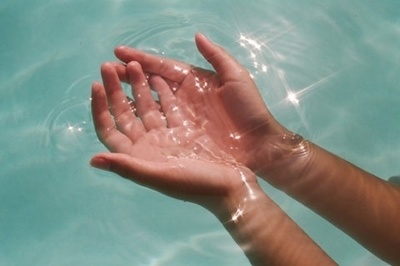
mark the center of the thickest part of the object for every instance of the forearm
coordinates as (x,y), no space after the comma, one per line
(364,206)
(268,236)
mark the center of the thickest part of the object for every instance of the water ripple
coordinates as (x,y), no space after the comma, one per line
(170,33)
(69,124)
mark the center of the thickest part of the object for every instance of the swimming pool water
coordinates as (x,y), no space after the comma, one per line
(340,59)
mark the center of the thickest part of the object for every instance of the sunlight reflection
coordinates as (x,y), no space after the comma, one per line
(254,47)
(181,70)
(316,84)
(246,41)
(267,58)
(75,128)
(239,213)
(292,97)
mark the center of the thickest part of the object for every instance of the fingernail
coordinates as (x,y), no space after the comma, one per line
(100,163)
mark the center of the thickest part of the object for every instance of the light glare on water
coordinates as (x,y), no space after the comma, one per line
(327,70)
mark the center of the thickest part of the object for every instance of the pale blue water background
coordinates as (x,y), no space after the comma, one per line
(55,210)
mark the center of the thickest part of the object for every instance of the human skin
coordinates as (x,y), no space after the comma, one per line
(362,205)
(162,146)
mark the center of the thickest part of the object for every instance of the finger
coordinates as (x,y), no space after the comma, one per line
(224,64)
(146,107)
(104,124)
(168,101)
(121,71)
(167,177)
(117,99)
(155,175)
(165,67)
(119,104)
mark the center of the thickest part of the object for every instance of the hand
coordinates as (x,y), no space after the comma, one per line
(163,145)
(158,146)
(226,104)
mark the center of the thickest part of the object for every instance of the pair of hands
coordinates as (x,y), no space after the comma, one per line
(201,136)
(199,139)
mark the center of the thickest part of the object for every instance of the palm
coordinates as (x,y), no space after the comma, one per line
(159,144)
(225,104)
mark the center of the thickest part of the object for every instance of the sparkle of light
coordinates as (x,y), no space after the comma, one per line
(292,97)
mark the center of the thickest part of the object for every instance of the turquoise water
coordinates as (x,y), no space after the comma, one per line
(340,58)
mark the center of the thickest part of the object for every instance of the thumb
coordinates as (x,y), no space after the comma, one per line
(140,171)
(224,64)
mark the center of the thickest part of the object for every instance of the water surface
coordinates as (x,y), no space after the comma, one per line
(327,69)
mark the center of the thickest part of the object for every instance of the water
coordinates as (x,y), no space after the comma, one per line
(327,69)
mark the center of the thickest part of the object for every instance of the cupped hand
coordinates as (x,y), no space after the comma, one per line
(225,103)
(156,144)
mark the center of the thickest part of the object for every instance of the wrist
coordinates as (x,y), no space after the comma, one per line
(243,199)
(264,232)
(283,158)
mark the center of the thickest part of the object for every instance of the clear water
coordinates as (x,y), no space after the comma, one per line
(340,57)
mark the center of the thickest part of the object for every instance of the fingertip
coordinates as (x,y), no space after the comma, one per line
(199,35)
(100,162)
(97,87)
(95,84)
(107,68)
(202,41)
(126,53)
(105,65)
(120,164)
(199,38)
(134,70)
(133,66)
(119,49)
